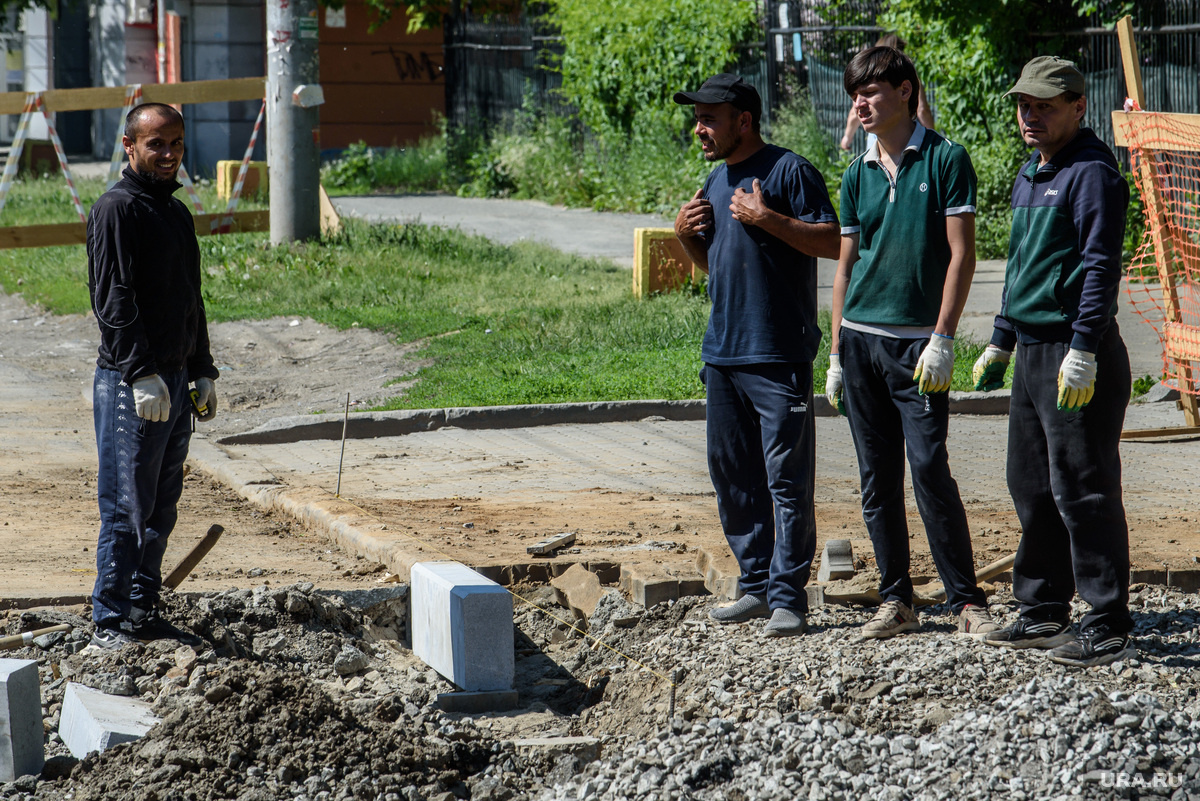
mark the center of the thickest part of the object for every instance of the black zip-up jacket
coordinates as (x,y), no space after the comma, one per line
(144,279)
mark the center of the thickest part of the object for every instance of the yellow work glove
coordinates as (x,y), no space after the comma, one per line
(1076,380)
(990,367)
(936,365)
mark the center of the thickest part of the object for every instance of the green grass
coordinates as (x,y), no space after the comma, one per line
(498,325)
(502,325)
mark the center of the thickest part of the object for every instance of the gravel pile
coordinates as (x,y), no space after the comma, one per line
(931,715)
(298,694)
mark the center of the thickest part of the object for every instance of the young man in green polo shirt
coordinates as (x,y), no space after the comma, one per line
(907,258)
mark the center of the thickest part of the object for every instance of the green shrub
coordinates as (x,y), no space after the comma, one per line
(415,168)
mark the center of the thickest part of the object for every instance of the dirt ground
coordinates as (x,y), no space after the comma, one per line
(286,366)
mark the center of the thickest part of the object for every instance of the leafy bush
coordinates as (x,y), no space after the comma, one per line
(794,125)
(624,59)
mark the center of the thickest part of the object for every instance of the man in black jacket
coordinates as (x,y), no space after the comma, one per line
(144,278)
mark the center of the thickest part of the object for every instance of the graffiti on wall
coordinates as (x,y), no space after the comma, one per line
(410,66)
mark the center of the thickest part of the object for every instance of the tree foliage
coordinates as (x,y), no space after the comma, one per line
(624,59)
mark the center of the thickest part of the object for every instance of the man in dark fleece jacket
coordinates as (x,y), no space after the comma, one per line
(1071,381)
(144,278)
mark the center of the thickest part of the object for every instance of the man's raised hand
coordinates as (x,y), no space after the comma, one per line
(695,217)
(749,208)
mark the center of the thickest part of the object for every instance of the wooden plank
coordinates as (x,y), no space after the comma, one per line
(114,96)
(1160,433)
(41,236)
(75,233)
(359,103)
(1129,58)
(1153,130)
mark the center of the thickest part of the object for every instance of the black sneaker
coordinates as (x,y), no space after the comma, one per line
(1029,633)
(153,626)
(1094,646)
(110,639)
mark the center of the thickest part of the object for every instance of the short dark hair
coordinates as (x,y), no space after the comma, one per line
(133,120)
(1071,97)
(882,64)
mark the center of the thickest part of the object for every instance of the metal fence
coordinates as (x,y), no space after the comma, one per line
(494,67)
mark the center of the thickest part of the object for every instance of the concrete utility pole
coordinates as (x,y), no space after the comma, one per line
(293,135)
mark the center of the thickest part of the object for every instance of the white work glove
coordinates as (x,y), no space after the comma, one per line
(1076,380)
(936,365)
(833,383)
(206,399)
(990,367)
(152,399)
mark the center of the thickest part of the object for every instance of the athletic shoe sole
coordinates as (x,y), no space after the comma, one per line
(887,634)
(1034,642)
(1103,659)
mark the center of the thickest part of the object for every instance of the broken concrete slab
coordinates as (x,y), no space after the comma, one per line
(837,561)
(462,626)
(22,750)
(94,721)
(579,590)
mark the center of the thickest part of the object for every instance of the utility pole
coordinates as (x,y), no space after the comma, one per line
(293,133)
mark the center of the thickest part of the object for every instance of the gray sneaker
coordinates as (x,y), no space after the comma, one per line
(785,622)
(745,608)
(892,618)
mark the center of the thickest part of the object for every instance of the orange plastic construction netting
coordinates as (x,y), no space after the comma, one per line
(1164,274)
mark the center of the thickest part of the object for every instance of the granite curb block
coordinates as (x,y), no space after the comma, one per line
(368,425)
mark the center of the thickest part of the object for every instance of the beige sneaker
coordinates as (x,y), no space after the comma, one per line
(976,621)
(892,618)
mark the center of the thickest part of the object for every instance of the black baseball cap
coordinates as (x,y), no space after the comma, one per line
(724,88)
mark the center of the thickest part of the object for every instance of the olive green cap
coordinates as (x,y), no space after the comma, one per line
(1048,76)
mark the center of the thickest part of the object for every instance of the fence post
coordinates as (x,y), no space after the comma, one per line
(293,135)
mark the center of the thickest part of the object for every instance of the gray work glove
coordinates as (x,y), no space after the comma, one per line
(205,406)
(152,399)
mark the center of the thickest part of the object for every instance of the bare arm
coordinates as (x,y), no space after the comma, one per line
(695,218)
(841,281)
(960,231)
(852,123)
(924,114)
(813,239)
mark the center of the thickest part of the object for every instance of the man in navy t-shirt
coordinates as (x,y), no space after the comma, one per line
(756,227)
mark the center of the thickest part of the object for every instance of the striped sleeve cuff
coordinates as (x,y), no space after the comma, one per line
(851,229)
(950,212)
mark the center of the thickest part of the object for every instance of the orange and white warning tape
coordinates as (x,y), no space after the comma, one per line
(62,159)
(18,144)
(235,196)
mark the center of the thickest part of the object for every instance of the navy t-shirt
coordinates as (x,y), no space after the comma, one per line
(764,293)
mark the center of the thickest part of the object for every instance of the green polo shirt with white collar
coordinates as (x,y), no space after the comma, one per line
(903,252)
